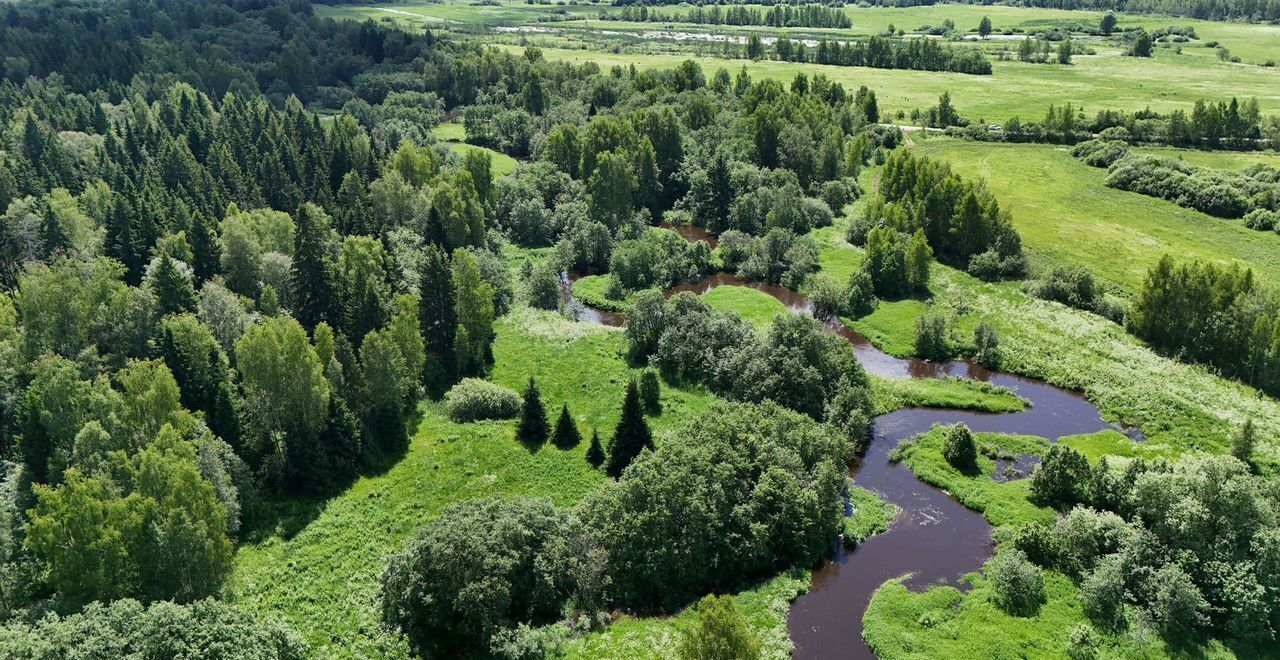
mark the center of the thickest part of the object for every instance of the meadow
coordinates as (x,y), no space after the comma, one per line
(454,134)
(1066,214)
(1107,80)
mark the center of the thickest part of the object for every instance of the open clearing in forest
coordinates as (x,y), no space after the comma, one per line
(1066,214)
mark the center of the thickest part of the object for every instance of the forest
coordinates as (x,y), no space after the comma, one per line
(331,336)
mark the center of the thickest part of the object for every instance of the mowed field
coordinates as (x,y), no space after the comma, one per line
(1066,214)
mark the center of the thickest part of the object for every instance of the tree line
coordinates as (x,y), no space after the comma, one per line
(781,15)
(919,54)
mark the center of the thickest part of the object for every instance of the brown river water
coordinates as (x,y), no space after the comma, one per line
(935,539)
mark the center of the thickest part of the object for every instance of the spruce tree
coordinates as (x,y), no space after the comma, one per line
(567,435)
(54,236)
(314,272)
(173,291)
(206,253)
(1243,441)
(595,453)
(438,319)
(632,435)
(532,428)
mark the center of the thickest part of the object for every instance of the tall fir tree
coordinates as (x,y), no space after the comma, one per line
(52,232)
(205,250)
(315,287)
(595,453)
(566,435)
(173,290)
(532,429)
(632,435)
(438,319)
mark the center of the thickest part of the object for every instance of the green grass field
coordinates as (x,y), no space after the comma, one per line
(452,135)
(757,307)
(1067,215)
(318,567)
(1104,81)
(1180,407)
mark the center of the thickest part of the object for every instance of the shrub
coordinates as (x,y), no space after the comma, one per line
(987,344)
(481,567)
(472,400)
(1070,285)
(1017,584)
(1102,594)
(1062,478)
(1101,153)
(651,391)
(959,448)
(1262,220)
(721,632)
(128,629)
(931,337)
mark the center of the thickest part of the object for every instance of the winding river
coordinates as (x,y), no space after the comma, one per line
(935,539)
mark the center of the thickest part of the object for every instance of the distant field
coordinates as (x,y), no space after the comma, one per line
(1104,81)
(1066,214)
(1220,160)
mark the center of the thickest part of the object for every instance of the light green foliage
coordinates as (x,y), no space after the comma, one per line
(283,380)
(152,529)
(751,305)
(721,633)
(474,305)
(127,628)
(1017,584)
(474,400)
(871,516)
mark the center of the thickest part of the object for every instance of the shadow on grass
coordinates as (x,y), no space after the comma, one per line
(286,514)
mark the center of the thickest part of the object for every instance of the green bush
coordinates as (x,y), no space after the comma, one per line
(473,400)
(959,448)
(1018,584)
(129,629)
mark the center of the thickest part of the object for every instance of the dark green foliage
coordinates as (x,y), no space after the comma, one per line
(632,434)
(1212,314)
(744,489)
(721,633)
(438,320)
(959,448)
(203,374)
(1225,194)
(314,272)
(544,288)
(651,391)
(173,289)
(566,435)
(507,561)
(532,428)
(960,220)
(1062,478)
(1243,441)
(127,628)
(1141,44)
(595,453)
(931,337)
(1070,285)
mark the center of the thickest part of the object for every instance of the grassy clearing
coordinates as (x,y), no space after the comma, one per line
(871,516)
(656,638)
(590,290)
(318,567)
(1219,160)
(1016,89)
(954,393)
(1180,407)
(1002,503)
(451,131)
(1067,215)
(757,307)
(502,163)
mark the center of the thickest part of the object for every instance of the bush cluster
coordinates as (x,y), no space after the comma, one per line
(472,400)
